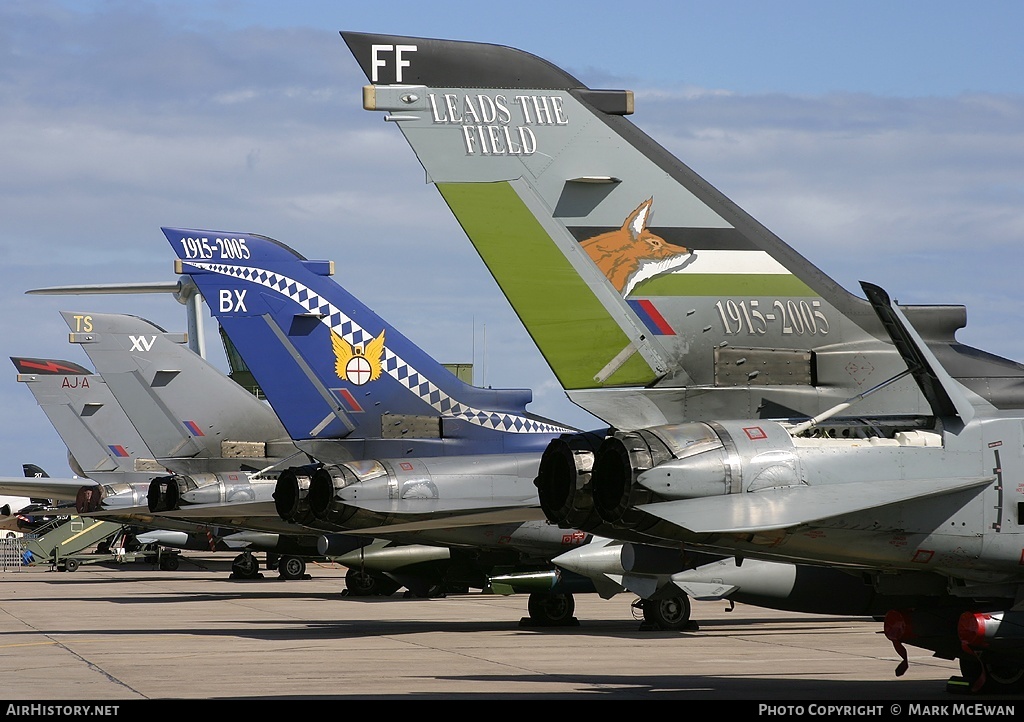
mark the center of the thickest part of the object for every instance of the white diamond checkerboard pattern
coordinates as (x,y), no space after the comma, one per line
(392,364)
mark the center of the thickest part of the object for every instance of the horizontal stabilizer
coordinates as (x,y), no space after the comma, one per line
(792,506)
(44,487)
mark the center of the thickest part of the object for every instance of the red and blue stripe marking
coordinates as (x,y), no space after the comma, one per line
(651,317)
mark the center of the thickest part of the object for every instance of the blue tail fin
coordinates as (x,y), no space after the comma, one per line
(333,369)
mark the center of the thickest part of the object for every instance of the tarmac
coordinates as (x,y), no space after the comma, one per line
(110,632)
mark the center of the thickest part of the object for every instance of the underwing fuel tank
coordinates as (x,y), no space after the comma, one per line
(616,559)
(544,581)
(773,585)
(386,557)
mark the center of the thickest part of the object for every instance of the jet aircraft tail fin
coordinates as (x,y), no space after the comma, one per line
(190,415)
(102,443)
(333,369)
(644,287)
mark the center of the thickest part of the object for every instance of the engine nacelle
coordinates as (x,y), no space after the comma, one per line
(374,492)
(624,456)
(563,481)
(689,461)
(167,493)
(227,488)
(121,495)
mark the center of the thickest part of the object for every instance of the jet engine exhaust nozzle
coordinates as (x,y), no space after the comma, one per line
(323,502)
(563,481)
(165,493)
(291,494)
(660,463)
(619,460)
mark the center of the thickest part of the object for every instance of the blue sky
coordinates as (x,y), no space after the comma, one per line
(882,140)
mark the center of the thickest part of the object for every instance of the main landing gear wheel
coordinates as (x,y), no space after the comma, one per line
(552,610)
(245,566)
(670,614)
(291,567)
(1001,676)
(363,584)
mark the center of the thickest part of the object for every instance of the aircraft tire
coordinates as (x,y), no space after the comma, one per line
(364,584)
(291,567)
(1001,676)
(245,566)
(551,610)
(670,614)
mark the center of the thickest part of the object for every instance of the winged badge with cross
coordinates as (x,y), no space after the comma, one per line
(356,364)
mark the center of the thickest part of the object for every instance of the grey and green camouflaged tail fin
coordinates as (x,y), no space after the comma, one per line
(651,295)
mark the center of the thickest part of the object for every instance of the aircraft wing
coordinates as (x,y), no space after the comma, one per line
(792,506)
(483,518)
(443,506)
(44,487)
(432,514)
(236,510)
(244,516)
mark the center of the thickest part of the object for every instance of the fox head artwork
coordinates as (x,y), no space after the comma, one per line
(632,254)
